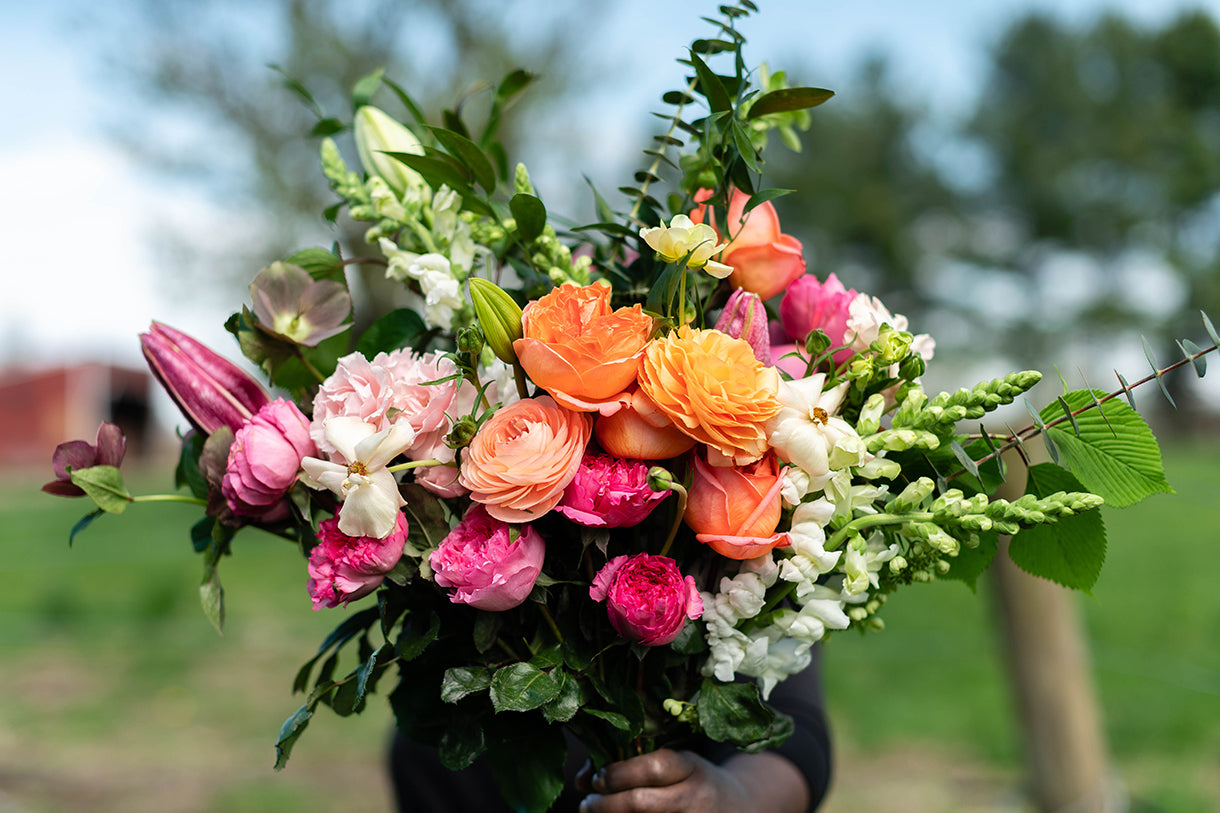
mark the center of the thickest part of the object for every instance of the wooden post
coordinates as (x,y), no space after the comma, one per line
(1049,667)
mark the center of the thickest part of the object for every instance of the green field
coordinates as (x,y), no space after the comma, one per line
(119,696)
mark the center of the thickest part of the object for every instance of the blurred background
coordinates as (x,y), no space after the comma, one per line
(1037,184)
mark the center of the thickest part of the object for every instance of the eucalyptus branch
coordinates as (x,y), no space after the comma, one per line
(651,172)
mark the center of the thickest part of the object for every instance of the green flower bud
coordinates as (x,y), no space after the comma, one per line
(898,564)
(912,496)
(499,316)
(817,343)
(870,415)
(378,133)
(891,346)
(660,479)
(521,181)
(464,430)
(912,367)
(470,340)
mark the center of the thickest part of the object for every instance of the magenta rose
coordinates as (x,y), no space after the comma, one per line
(344,568)
(264,460)
(489,564)
(809,305)
(609,492)
(647,597)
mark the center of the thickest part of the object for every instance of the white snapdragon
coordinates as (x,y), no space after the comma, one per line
(434,272)
(862,562)
(866,315)
(821,610)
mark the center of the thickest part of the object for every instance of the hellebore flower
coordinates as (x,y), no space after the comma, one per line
(79,454)
(292,305)
(211,391)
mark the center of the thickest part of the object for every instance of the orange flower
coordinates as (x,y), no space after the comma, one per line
(713,388)
(639,430)
(735,510)
(523,458)
(578,350)
(764,261)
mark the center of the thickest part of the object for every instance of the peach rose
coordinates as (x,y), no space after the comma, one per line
(579,350)
(713,389)
(523,458)
(764,261)
(641,431)
(736,509)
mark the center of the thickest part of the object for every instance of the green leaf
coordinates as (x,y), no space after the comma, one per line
(1069,552)
(437,171)
(528,766)
(464,680)
(1115,455)
(83,523)
(530,214)
(461,743)
(615,719)
(970,563)
(406,100)
(104,485)
(567,702)
(300,90)
(733,712)
(469,154)
(788,99)
(401,327)
(327,127)
(522,687)
(710,86)
(290,732)
(188,472)
(365,87)
(320,263)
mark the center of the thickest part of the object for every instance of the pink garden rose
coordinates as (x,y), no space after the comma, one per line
(344,568)
(264,460)
(647,598)
(609,492)
(489,564)
(386,390)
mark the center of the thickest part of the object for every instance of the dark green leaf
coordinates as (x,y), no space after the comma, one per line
(711,87)
(188,472)
(966,460)
(512,84)
(350,627)
(463,680)
(83,523)
(530,214)
(712,46)
(733,712)
(1069,552)
(201,534)
(528,767)
(788,99)
(104,485)
(437,172)
(461,743)
(412,642)
(401,327)
(615,719)
(486,630)
(320,263)
(970,563)
(567,702)
(327,127)
(763,195)
(292,729)
(522,687)
(677,97)
(469,154)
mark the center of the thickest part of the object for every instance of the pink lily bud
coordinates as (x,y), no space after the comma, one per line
(745,318)
(210,390)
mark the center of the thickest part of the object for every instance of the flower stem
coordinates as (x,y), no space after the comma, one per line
(550,622)
(519,375)
(169,498)
(860,523)
(415,464)
(681,512)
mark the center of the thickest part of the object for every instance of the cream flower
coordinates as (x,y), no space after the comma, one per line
(369,491)
(807,433)
(682,237)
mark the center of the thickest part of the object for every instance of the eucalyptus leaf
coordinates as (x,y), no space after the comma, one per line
(785,100)
(530,214)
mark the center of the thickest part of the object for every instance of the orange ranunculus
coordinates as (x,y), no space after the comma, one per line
(714,389)
(579,350)
(764,261)
(639,430)
(523,458)
(735,510)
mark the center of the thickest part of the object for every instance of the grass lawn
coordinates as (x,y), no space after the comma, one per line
(119,696)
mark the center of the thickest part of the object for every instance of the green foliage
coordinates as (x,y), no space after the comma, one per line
(1070,551)
(103,485)
(734,712)
(401,327)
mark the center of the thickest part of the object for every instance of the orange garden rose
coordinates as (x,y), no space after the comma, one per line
(713,389)
(579,350)
(523,458)
(639,430)
(735,510)
(764,261)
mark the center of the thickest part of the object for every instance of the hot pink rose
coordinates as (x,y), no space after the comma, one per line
(344,568)
(647,598)
(264,460)
(811,305)
(488,563)
(764,260)
(386,390)
(609,492)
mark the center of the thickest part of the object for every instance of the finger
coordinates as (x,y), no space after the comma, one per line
(653,770)
(584,777)
(633,800)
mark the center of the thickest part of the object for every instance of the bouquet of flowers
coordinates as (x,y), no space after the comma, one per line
(615,479)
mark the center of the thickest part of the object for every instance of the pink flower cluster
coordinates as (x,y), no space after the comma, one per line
(489,564)
(264,460)
(344,568)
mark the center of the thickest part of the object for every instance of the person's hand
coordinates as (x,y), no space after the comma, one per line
(668,781)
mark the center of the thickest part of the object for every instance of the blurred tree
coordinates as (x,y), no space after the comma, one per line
(213,75)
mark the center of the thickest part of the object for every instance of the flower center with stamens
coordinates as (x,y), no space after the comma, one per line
(819,415)
(357,468)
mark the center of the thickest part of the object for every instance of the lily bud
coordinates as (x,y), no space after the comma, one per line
(378,133)
(745,318)
(210,390)
(499,316)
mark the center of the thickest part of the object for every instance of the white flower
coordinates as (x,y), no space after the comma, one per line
(862,561)
(866,315)
(682,237)
(369,491)
(807,433)
(822,610)
(442,296)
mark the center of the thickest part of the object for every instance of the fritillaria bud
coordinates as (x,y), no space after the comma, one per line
(499,316)
(817,343)
(378,133)
(210,390)
(745,318)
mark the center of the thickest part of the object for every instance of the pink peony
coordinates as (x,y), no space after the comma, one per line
(387,390)
(491,565)
(264,460)
(647,598)
(609,492)
(344,568)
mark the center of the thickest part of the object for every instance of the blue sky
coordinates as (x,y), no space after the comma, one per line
(77,215)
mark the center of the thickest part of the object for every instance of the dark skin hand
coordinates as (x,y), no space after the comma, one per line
(668,781)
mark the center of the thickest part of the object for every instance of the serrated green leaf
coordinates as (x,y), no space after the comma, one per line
(1069,552)
(290,732)
(530,214)
(970,563)
(469,154)
(1115,454)
(103,485)
(522,687)
(567,702)
(788,99)
(461,743)
(401,327)
(464,680)
(83,523)
(321,263)
(733,712)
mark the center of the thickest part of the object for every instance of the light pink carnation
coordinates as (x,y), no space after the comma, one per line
(344,568)
(609,492)
(264,460)
(386,390)
(647,598)
(488,563)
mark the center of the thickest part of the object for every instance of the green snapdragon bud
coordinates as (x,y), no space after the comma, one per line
(378,133)
(891,346)
(912,367)
(499,316)
(817,343)
(912,496)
